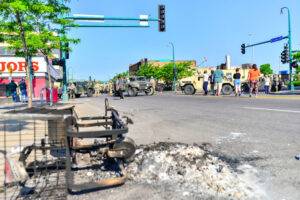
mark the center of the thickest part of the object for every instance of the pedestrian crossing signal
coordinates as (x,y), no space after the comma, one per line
(60,62)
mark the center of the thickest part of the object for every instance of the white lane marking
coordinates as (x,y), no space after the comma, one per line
(272,109)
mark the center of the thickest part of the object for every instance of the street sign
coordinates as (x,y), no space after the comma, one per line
(144,20)
(89,18)
(277,39)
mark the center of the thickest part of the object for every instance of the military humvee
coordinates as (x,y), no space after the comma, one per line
(194,83)
(84,88)
(137,84)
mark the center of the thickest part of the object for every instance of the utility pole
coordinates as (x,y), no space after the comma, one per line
(252,58)
(291,85)
(174,67)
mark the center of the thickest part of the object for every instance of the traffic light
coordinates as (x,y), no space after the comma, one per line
(60,62)
(67,50)
(285,54)
(295,64)
(162,18)
(243,48)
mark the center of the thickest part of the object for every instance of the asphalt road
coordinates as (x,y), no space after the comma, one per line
(263,132)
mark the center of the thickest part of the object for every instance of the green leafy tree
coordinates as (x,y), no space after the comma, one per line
(266,69)
(149,70)
(296,56)
(122,75)
(33,27)
(166,72)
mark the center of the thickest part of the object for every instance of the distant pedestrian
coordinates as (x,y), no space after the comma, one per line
(280,83)
(253,77)
(212,82)
(120,87)
(267,84)
(218,78)
(72,90)
(153,84)
(23,90)
(205,82)
(12,87)
(237,82)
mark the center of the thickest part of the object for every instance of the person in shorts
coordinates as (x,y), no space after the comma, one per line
(218,78)
(253,78)
(237,82)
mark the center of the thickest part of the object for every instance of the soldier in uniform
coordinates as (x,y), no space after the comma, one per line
(97,89)
(120,87)
(153,83)
(72,90)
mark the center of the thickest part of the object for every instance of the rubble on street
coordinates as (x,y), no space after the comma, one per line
(188,170)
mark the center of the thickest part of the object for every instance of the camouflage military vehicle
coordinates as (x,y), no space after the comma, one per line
(84,88)
(194,83)
(138,84)
(89,88)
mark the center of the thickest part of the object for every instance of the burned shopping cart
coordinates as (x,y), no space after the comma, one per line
(41,152)
(105,144)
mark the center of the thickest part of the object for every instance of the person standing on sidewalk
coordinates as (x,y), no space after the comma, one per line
(23,90)
(237,82)
(205,82)
(267,84)
(12,86)
(218,78)
(253,78)
(212,82)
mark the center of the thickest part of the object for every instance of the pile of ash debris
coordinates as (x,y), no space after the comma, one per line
(191,170)
(187,171)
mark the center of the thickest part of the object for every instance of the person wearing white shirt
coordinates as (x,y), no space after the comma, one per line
(267,84)
(205,82)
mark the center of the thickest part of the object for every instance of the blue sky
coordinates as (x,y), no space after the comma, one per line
(198,28)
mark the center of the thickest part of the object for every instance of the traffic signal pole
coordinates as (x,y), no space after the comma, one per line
(291,85)
(143,19)
(174,67)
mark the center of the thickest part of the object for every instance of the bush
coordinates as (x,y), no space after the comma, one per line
(296,83)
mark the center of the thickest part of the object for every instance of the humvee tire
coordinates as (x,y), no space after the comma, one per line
(189,90)
(150,91)
(90,93)
(227,89)
(132,92)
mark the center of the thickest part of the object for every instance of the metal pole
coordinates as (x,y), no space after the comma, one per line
(291,86)
(252,58)
(65,97)
(174,67)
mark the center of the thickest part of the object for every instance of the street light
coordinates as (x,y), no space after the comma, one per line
(68,74)
(174,67)
(291,86)
(250,35)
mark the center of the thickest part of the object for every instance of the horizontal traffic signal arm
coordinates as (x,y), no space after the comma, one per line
(276,39)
